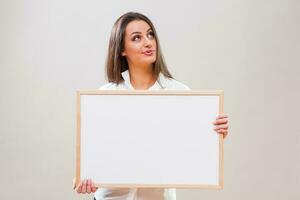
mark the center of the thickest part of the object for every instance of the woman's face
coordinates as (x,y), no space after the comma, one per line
(140,44)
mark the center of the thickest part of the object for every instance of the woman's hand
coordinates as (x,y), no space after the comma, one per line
(221,125)
(84,186)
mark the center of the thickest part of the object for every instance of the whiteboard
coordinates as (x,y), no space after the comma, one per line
(162,139)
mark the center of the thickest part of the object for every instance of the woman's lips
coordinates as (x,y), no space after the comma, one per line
(148,52)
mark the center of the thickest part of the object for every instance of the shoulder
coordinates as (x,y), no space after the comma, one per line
(113,86)
(173,84)
(108,86)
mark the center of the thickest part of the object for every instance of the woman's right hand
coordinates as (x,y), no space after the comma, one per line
(84,186)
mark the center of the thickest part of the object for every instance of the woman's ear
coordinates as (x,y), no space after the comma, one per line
(123,53)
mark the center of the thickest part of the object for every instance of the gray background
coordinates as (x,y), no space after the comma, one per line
(248,48)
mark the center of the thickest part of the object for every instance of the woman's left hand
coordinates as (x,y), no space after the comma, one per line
(221,125)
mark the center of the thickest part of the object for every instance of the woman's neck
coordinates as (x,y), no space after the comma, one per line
(142,78)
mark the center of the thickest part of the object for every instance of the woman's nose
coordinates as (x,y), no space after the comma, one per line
(148,42)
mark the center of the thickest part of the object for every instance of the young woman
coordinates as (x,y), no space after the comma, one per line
(135,61)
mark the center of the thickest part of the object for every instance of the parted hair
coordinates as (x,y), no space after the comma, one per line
(115,62)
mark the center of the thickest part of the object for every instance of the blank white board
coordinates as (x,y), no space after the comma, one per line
(144,139)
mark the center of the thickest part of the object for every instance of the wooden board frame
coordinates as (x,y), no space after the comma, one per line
(143,92)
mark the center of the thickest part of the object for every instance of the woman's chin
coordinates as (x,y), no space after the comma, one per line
(148,60)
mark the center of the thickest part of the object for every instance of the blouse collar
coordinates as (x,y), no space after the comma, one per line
(160,83)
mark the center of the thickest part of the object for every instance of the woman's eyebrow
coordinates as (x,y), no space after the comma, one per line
(136,32)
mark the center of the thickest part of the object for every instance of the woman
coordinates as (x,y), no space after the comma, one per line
(135,61)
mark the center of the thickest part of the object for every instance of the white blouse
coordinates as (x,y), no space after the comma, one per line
(162,83)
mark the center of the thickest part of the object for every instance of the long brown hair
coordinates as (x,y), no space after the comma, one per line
(115,62)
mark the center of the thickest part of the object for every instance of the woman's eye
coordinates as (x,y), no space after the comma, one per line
(136,38)
(151,35)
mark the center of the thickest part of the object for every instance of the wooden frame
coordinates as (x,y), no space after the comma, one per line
(81,93)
